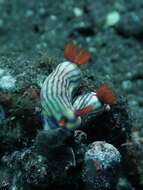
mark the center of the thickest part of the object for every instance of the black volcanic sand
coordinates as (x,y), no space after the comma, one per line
(32,39)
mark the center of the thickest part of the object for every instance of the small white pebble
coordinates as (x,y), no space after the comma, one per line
(53,17)
(78,12)
(88,39)
(29,13)
(129,74)
(7,82)
(82,24)
(42,11)
(132,103)
(112,18)
(127,84)
(107,108)
(1,72)
(92,49)
(44,44)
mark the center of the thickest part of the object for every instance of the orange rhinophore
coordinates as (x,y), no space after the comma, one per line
(84,111)
(105,95)
(82,57)
(70,52)
(76,55)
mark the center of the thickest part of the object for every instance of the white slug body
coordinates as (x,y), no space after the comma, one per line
(56,95)
(88,99)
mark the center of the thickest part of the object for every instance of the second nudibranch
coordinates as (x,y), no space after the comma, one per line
(90,101)
(94,102)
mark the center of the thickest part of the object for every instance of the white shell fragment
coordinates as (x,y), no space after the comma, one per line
(112,18)
(7,82)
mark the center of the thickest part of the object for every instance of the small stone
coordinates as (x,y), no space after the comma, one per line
(132,103)
(105,153)
(42,11)
(101,164)
(88,39)
(1,72)
(7,82)
(29,13)
(130,25)
(127,85)
(78,12)
(53,17)
(124,184)
(112,18)
(80,136)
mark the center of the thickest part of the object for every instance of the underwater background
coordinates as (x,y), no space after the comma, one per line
(32,39)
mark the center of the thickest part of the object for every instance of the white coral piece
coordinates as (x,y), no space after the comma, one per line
(7,82)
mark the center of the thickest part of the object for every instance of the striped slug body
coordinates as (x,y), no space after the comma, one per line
(58,89)
(91,100)
(57,92)
(94,102)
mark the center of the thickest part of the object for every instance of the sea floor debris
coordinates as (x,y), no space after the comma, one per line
(32,158)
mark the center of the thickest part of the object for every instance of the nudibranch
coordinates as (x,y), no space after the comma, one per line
(94,102)
(58,89)
(60,109)
(90,101)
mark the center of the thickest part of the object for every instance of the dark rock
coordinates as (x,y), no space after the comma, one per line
(46,163)
(132,160)
(27,168)
(5,179)
(101,166)
(80,137)
(130,24)
(112,126)
(80,146)
(53,139)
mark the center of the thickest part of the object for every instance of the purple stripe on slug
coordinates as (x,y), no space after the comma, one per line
(86,101)
(82,100)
